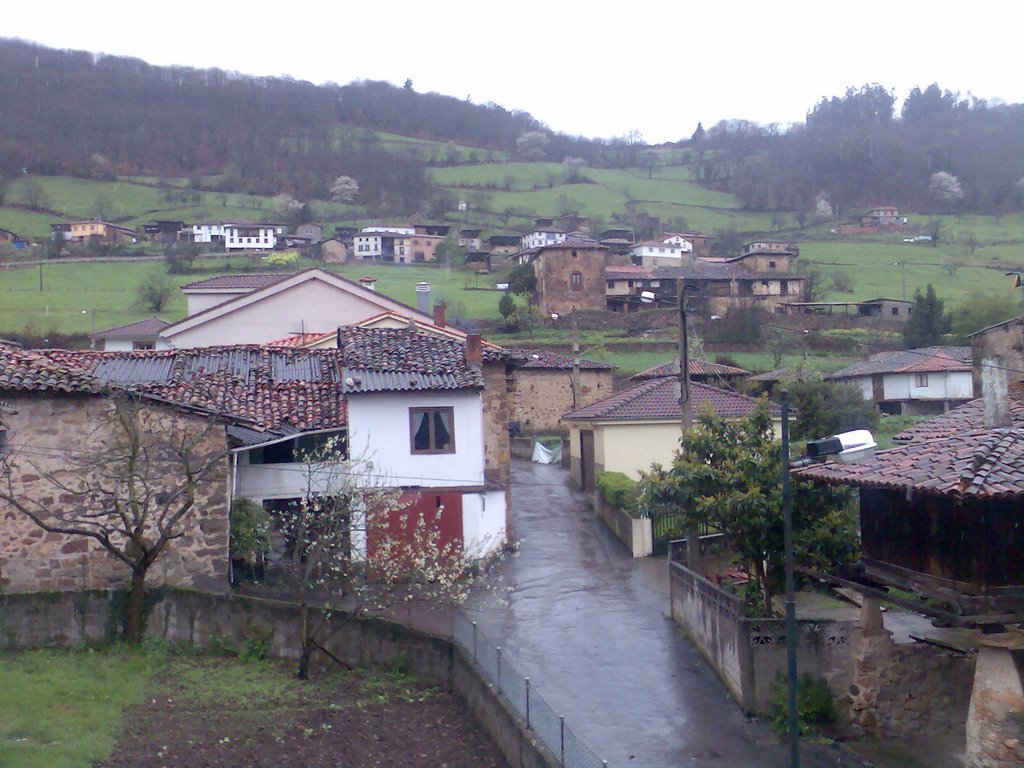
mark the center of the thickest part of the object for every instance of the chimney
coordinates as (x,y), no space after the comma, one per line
(993,392)
(439,315)
(367,281)
(423,297)
(474,351)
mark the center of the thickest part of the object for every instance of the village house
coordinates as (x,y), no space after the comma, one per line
(258,308)
(542,236)
(96,231)
(942,517)
(400,245)
(239,235)
(884,310)
(140,335)
(702,371)
(660,253)
(720,285)
(332,251)
(542,389)
(163,230)
(882,216)
(469,238)
(11,240)
(570,276)
(922,382)
(269,406)
(503,245)
(638,426)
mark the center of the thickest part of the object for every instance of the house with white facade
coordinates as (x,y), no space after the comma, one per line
(238,235)
(662,253)
(923,382)
(140,335)
(541,237)
(259,308)
(410,404)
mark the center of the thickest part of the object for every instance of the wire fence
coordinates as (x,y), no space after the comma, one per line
(539,716)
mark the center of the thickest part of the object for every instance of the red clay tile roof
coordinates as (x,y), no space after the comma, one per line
(151,326)
(269,388)
(980,463)
(696,367)
(399,359)
(26,370)
(969,416)
(656,399)
(540,358)
(250,282)
(923,360)
(298,339)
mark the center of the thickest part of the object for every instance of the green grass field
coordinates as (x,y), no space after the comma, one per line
(73,294)
(874,270)
(63,710)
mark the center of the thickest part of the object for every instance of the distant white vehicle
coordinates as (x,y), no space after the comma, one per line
(923,238)
(501,286)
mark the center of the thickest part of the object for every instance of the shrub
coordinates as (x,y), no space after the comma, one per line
(617,489)
(250,531)
(815,705)
(281,259)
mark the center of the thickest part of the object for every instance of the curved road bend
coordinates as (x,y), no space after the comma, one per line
(588,625)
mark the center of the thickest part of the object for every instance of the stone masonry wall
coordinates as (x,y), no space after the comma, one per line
(543,395)
(911,688)
(554,268)
(46,435)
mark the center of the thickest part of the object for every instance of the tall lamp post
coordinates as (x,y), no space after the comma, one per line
(848,447)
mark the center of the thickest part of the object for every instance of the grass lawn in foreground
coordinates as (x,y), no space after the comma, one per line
(151,707)
(63,710)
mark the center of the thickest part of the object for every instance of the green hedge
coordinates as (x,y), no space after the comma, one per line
(617,489)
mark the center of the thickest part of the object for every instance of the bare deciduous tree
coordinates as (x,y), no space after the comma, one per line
(134,494)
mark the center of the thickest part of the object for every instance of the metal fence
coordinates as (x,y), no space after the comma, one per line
(539,716)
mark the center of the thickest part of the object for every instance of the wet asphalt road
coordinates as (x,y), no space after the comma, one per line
(588,624)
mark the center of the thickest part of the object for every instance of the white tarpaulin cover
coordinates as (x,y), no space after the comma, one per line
(543,455)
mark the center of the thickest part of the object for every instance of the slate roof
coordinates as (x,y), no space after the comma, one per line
(656,399)
(922,360)
(769,376)
(979,463)
(151,326)
(252,282)
(696,368)
(541,359)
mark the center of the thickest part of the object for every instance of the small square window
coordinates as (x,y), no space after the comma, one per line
(431,430)
(921,380)
(895,311)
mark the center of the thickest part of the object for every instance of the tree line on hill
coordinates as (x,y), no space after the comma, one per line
(74,113)
(942,152)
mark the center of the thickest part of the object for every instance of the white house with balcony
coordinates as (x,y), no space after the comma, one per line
(923,382)
(543,236)
(662,253)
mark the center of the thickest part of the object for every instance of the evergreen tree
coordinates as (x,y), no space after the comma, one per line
(928,322)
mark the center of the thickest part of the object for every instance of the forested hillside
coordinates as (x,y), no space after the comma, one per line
(858,150)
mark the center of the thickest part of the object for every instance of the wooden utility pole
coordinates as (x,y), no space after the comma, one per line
(686,411)
(575,361)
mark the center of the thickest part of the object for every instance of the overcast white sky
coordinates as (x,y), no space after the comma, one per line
(595,69)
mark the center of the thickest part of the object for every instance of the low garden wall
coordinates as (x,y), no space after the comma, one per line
(200,619)
(634,532)
(750,654)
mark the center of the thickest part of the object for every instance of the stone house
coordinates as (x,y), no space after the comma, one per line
(881,216)
(52,413)
(570,276)
(263,408)
(542,389)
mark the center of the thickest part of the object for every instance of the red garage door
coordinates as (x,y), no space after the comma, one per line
(400,526)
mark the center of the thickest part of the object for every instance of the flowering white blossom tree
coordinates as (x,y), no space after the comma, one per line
(344,189)
(356,547)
